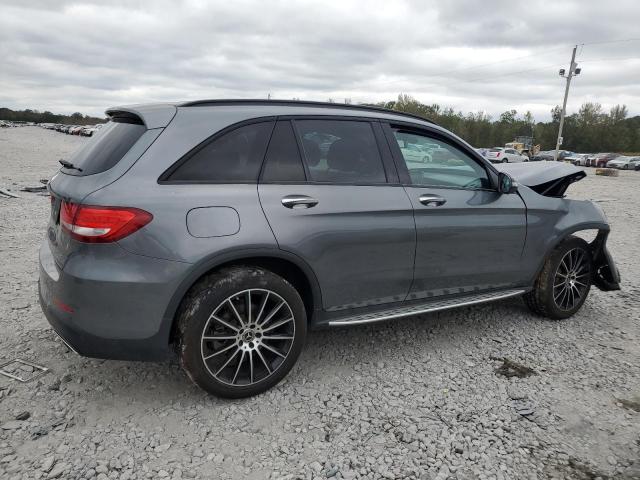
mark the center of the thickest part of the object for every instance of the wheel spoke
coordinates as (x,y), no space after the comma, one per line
(264,303)
(263,360)
(218,337)
(249,306)
(219,320)
(278,324)
(272,313)
(251,366)
(238,368)
(220,351)
(271,349)
(277,337)
(227,362)
(235,312)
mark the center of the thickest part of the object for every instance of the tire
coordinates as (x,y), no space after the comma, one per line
(240,361)
(547,297)
(625,167)
(505,160)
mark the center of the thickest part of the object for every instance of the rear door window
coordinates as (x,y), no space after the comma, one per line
(341,151)
(107,147)
(234,157)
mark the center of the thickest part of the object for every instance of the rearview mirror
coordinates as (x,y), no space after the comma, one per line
(506,184)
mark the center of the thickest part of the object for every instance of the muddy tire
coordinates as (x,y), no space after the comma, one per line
(564,281)
(240,331)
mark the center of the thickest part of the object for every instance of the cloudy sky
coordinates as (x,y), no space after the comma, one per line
(489,55)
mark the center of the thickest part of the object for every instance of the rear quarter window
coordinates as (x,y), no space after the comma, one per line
(233,157)
(107,147)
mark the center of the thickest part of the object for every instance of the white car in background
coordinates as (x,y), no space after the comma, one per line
(578,159)
(622,162)
(505,155)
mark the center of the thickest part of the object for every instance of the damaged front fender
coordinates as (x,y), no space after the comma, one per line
(550,220)
(605,273)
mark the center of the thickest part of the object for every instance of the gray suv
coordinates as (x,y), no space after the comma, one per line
(224,230)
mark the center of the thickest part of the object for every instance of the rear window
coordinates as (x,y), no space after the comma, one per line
(234,157)
(107,147)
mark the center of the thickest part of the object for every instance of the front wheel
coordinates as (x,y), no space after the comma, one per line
(240,331)
(564,282)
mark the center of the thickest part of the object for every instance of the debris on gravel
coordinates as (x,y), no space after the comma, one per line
(417,398)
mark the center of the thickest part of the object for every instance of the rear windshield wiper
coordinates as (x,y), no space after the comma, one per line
(69,165)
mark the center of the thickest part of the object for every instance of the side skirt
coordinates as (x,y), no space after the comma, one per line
(426,307)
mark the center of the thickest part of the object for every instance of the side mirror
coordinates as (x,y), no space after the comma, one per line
(506,184)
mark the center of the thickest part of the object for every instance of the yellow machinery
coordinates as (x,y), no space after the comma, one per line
(524,145)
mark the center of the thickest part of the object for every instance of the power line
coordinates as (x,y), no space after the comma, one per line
(493,77)
(612,41)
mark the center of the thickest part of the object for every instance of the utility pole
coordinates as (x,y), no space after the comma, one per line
(572,71)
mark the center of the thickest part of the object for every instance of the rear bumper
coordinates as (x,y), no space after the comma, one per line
(110,304)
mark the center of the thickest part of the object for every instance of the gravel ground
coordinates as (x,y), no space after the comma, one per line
(415,398)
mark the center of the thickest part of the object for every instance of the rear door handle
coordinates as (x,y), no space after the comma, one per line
(299,201)
(431,200)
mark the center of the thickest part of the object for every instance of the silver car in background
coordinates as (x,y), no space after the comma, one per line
(222,231)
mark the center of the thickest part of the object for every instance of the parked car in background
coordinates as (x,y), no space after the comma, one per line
(635,163)
(622,162)
(224,230)
(601,159)
(505,155)
(417,153)
(578,159)
(546,155)
(483,151)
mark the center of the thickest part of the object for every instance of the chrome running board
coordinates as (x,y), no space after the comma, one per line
(427,307)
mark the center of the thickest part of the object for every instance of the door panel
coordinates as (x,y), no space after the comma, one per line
(473,241)
(469,236)
(359,240)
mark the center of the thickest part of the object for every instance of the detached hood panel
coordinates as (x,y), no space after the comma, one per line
(546,178)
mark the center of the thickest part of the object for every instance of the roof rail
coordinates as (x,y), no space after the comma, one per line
(304,103)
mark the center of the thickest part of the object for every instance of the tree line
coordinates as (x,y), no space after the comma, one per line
(590,130)
(36,116)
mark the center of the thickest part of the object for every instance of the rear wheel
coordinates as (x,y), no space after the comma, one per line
(240,331)
(564,282)
(505,160)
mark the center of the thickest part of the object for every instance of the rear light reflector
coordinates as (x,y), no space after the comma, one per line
(97,224)
(497,154)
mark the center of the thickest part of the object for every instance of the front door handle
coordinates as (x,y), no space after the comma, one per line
(299,201)
(431,200)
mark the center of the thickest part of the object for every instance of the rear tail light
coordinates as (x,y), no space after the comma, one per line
(97,224)
(497,154)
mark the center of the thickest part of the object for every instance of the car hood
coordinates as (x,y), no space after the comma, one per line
(546,178)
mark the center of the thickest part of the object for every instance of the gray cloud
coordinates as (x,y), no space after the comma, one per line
(491,55)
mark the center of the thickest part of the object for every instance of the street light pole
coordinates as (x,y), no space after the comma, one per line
(572,71)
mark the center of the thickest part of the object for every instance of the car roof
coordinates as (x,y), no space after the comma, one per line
(160,114)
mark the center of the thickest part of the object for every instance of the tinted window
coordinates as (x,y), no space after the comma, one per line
(439,163)
(106,147)
(339,151)
(282,162)
(236,156)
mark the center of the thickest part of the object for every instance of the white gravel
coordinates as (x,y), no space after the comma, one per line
(415,398)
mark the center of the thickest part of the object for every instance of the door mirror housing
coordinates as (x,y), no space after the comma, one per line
(506,184)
